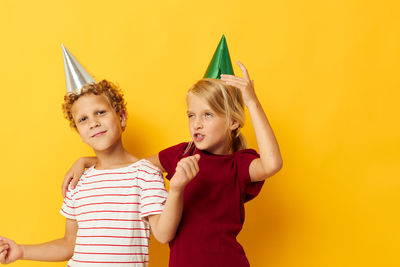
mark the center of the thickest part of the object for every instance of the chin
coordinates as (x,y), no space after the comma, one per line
(200,146)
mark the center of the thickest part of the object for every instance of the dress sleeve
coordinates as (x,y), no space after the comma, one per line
(170,157)
(68,207)
(249,189)
(152,191)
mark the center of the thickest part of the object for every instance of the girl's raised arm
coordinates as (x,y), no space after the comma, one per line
(270,161)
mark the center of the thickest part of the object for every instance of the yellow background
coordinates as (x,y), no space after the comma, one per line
(326,72)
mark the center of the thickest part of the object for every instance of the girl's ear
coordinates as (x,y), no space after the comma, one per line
(234,125)
(122,118)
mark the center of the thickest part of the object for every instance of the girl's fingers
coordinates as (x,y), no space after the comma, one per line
(182,165)
(191,167)
(67,179)
(225,77)
(194,164)
(75,181)
(244,70)
(236,84)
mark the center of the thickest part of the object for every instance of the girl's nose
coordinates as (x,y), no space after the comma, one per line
(198,124)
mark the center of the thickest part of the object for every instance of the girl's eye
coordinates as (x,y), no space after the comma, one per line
(207,115)
(101,112)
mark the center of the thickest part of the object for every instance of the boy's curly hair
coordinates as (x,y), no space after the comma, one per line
(104,87)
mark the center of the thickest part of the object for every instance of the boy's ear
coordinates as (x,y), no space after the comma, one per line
(122,118)
(234,125)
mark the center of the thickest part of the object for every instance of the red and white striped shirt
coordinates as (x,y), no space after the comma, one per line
(111,208)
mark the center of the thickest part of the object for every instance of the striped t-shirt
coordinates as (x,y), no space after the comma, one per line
(111,209)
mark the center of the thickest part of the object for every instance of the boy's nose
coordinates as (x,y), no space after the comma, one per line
(94,124)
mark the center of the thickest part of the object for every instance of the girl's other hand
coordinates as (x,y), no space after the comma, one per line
(186,170)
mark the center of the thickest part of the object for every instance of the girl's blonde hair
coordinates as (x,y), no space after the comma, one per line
(224,100)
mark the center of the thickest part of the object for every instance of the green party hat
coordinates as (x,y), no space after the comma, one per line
(221,62)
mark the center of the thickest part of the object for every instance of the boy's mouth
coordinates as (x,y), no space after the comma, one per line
(198,137)
(99,134)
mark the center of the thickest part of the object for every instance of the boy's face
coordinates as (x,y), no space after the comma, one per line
(97,122)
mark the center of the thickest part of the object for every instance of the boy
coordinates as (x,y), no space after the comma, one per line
(109,212)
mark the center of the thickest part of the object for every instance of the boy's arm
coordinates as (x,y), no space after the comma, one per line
(57,250)
(270,161)
(75,172)
(164,225)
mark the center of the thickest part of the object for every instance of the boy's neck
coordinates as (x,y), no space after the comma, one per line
(114,157)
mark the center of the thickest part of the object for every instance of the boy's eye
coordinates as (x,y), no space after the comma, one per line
(190,116)
(82,119)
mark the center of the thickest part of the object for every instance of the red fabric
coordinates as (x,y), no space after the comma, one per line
(213,208)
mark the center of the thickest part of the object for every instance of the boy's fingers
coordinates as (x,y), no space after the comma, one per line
(4,247)
(2,256)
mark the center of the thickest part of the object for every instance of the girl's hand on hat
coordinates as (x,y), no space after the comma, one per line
(245,84)
(185,171)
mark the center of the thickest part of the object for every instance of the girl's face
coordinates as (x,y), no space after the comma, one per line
(208,129)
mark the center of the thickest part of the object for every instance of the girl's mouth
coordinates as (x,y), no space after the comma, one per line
(198,137)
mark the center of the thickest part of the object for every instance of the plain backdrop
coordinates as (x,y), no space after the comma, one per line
(326,73)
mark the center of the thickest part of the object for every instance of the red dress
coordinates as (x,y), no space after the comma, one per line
(213,208)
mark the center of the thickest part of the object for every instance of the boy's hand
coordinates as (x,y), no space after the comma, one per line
(185,171)
(9,251)
(245,85)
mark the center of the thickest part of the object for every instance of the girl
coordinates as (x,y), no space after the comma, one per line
(229,175)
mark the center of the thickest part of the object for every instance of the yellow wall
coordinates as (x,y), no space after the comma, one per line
(326,72)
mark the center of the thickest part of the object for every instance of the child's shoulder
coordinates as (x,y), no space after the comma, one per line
(247,154)
(143,165)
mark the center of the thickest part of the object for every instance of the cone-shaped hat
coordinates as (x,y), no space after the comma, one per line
(75,75)
(221,62)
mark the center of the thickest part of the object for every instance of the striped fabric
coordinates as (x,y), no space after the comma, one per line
(111,208)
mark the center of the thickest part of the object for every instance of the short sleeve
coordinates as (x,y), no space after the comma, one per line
(152,190)
(170,157)
(68,207)
(244,158)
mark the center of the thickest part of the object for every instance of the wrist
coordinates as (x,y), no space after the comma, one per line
(175,192)
(252,103)
(22,249)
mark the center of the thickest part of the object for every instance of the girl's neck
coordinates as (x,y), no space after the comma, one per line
(114,157)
